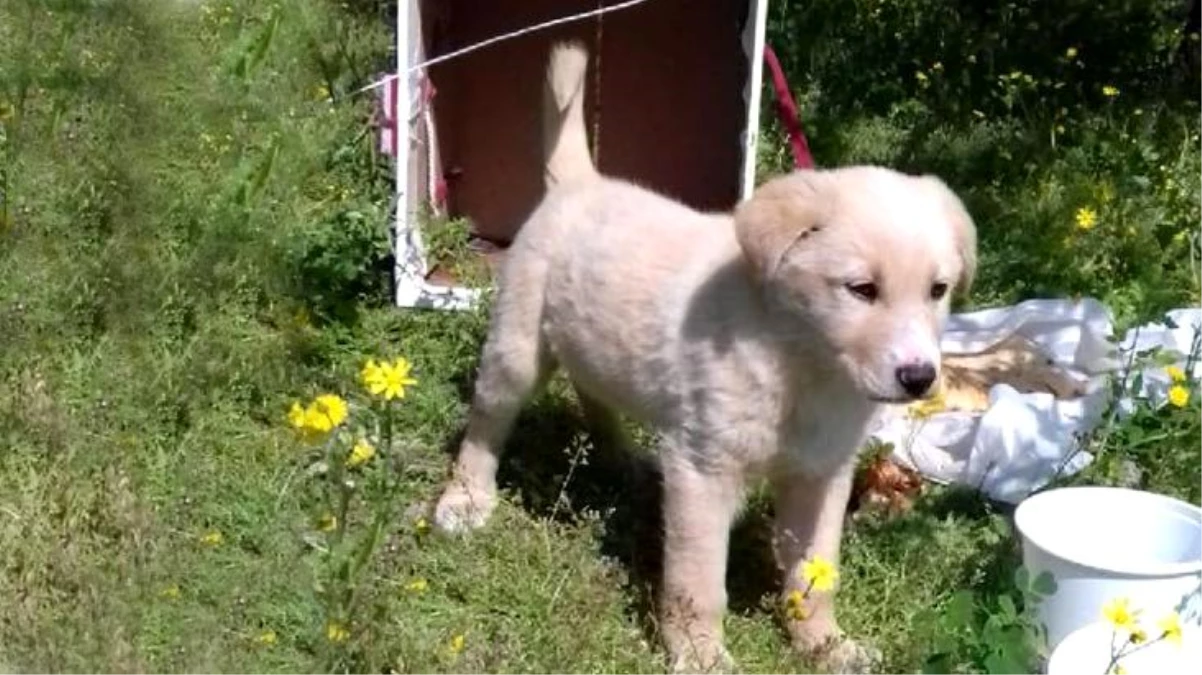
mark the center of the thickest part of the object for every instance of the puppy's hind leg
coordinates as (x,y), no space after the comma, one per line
(515,363)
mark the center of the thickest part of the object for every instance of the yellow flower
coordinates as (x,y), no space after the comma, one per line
(336,632)
(321,92)
(267,638)
(327,523)
(1175,373)
(1178,395)
(372,375)
(457,643)
(361,453)
(212,539)
(1070,53)
(171,592)
(397,377)
(1119,613)
(795,606)
(1110,91)
(1139,636)
(418,585)
(332,407)
(421,526)
(1171,627)
(1086,218)
(921,410)
(322,416)
(819,573)
(387,380)
(296,415)
(1119,670)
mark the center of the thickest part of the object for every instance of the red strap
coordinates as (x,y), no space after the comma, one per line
(440,192)
(786,110)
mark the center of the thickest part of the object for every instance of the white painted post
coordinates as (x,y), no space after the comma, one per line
(753,45)
(400,116)
(412,289)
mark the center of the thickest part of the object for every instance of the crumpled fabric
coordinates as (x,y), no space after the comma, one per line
(1024,440)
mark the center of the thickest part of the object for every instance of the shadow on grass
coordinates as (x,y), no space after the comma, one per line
(555,471)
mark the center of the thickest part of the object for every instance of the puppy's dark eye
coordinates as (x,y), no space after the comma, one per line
(866,291)
(938,290)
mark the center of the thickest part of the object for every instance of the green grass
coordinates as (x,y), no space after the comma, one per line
(193,234)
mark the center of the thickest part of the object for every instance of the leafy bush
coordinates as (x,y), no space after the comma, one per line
(1035,112)
(983,633)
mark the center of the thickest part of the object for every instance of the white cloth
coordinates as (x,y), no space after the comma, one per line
(1022,441)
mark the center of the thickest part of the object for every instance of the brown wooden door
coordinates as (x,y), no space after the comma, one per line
(669,100)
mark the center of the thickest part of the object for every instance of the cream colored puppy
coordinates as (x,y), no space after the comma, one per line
(758,345)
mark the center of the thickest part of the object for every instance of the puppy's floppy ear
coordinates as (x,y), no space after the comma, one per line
(963,230)
(779,213)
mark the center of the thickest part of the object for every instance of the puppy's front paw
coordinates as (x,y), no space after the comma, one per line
(843,655)
(463,507)
(704,657)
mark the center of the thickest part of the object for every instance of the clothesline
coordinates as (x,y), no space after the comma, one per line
(501,38)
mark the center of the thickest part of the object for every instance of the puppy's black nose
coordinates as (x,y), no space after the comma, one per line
(916,378)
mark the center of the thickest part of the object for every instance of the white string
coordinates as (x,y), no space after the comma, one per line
(506,36)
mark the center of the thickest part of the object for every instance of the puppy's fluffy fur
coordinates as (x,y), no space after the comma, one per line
(758,344)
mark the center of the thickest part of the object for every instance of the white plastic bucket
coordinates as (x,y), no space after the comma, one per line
(1087,650)
(1100,543)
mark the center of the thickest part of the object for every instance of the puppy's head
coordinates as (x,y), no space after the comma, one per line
(866,260)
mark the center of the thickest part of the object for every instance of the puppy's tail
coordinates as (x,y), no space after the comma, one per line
(565,137)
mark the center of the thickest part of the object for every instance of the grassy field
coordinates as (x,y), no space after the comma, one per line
(193,235)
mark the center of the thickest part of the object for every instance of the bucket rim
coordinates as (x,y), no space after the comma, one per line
(1030,507)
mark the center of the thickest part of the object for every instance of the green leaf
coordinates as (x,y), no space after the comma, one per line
(1015,643)
(1001,662)
(959,610)
(1137,382)
(992,633)
(1044,584)
(945,641)
(262,42)
(1006,605)
(263,171)
(1022,579)
(938,663)
(253,54)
